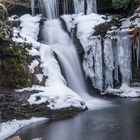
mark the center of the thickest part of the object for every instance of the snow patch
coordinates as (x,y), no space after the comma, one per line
(124,91)
(9,128)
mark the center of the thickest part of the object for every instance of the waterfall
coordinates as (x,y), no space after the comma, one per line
(65,7)
(61,43)
(85,6)
(79,6)
(55,36)
(91,6)
(33,7)
(51,9)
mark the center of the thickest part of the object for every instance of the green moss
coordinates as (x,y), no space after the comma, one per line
(127,5)
(14,65)
(117,4)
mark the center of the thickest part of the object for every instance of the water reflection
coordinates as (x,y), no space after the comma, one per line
(120,122)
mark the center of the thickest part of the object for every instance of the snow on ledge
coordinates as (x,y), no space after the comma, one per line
(58,96)
(124,91)
(28,30)
(9,128)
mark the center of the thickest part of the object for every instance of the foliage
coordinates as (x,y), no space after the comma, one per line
(14,65)
(117,4)
(125,4)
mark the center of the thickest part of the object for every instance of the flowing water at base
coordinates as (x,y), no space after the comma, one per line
(118,122)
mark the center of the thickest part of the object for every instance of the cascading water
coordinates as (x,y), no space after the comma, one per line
(79,6)
(91,6)
(85,6)
(52,9)
(62,44)
(54,35)
(33,7)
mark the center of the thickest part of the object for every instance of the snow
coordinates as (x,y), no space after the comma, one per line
(34,64)
(39,77)
(28,30)
(13,18)
(124,91)
(69,21)
(9,128)
(86,25)
(55,90)
(58,96)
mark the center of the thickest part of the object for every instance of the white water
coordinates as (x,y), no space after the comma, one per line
(65,7)
(33,7)
(55,36)
(52,7)
(59,40)
(66,53)
(79,6)
(91,6)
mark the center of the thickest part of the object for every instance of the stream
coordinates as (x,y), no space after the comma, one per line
(119,121)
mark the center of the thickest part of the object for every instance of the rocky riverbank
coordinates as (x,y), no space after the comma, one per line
(14,105)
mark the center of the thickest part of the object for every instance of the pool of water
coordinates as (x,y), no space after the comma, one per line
(119,121)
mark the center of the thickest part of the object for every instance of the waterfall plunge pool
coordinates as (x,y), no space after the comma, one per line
(119,121)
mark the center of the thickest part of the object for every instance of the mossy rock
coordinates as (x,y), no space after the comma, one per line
(14,70)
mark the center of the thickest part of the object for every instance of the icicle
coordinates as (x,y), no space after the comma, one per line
(138,52)
(124,57)
(33,7)
(115,53)
(98,65)
(108,60)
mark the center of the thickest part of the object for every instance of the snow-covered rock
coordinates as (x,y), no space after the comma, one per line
(108,57)
(9,128)
(124,91)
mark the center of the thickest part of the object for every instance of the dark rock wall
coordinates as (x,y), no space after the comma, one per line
(103,5)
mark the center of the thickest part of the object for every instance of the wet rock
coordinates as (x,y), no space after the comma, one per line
(14,105)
